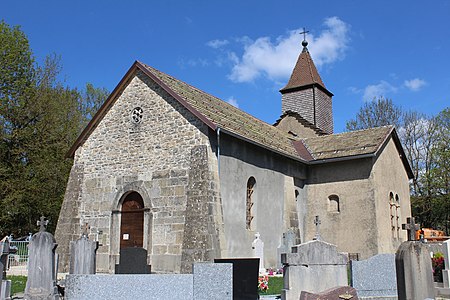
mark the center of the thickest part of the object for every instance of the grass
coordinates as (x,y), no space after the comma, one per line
(17,283)
(275,286)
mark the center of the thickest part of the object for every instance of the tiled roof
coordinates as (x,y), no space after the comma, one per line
(228,117)
(345,144)
(304,73)
(217,113)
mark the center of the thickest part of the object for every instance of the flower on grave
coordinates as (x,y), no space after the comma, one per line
(437,261)
(270,272)
(263,283)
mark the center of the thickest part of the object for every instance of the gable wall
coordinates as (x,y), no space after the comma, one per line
(152,158)
(290,123)
(353,228)
(389,175)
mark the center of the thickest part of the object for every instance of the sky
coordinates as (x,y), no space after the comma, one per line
(243,51)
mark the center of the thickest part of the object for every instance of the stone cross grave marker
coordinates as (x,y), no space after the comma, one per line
(258,251)
(413,267)
(42,223)
(289,239)
(41,282)
(82,254)
(411,227)
(317,222)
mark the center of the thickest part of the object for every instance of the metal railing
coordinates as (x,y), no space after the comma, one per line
(20,255)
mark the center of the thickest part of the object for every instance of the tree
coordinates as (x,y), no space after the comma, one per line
(426,143)
(39,121)
(375,113)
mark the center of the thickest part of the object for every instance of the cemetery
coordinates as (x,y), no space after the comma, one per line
(176,194)
(311,270)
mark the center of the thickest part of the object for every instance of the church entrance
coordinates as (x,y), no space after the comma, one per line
(132,221)
(133,255)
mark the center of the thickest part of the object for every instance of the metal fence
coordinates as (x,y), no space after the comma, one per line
(20,257)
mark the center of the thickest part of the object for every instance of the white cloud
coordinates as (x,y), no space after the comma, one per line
(233,102)
(415,84)
(377,90)
(275,60)
(217,43)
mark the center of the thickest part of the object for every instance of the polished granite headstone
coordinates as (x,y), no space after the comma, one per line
(245,277)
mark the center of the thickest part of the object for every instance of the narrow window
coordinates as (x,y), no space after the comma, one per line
(333,203)
(249,204)
(397,215)
(392,213)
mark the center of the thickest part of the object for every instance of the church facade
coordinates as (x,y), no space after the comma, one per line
(183,176)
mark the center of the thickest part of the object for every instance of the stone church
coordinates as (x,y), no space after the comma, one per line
(179,175)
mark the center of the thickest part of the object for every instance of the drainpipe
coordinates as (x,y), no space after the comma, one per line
(218,150)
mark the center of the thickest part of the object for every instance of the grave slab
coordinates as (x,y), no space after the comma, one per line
(213,281)
(336,293)
(129,286)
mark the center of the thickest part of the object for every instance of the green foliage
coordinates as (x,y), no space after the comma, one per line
(18,283)
(39,121)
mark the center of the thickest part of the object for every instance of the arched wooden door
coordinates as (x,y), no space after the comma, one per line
(132,221)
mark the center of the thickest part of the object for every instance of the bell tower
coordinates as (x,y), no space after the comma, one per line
(306,94)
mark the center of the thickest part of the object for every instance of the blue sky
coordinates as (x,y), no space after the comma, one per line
(244,51)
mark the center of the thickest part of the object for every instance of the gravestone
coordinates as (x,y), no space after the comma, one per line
(288,240)
(313,267)
(258,251)
(336,293)
(5,285)
(133,260)
(41,282)
(446,271)
(82,254)
(413,267)
(375,277)
(245,277)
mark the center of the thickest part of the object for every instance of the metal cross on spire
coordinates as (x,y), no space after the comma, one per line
(42,223)
(304,43)
(317,223)
(304,32)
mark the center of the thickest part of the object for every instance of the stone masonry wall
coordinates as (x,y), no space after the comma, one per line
(203,235)
(152,158)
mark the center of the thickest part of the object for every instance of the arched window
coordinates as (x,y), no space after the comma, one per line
(393,214)
(333,203)
(249,202)
(397,215)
